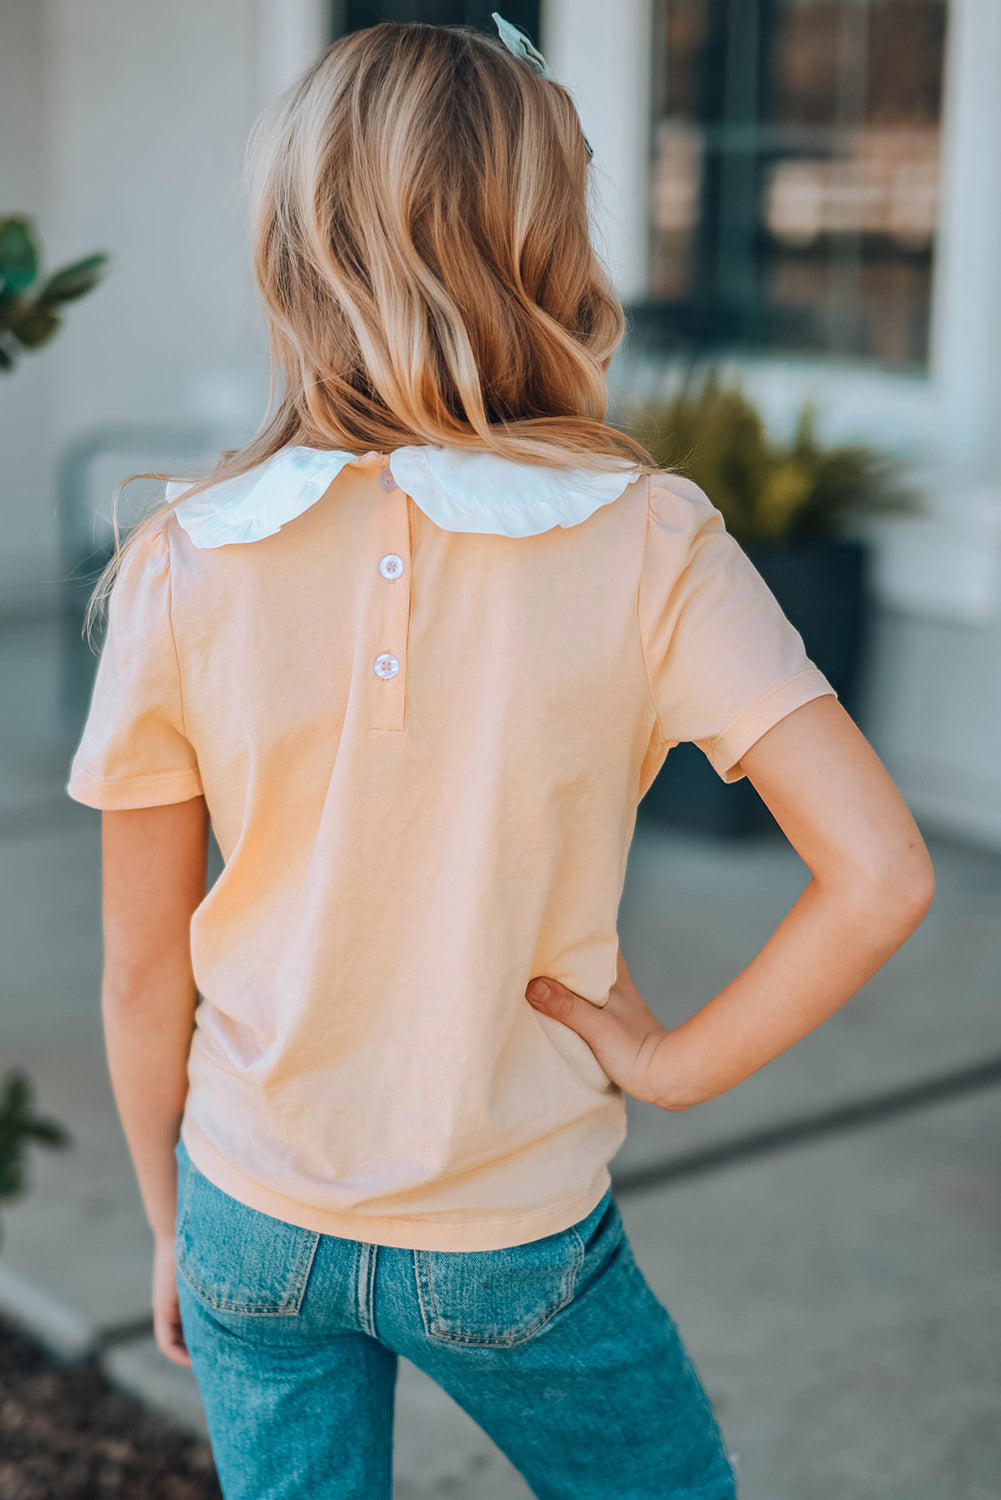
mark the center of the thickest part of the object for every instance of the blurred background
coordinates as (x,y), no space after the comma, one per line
(799,202)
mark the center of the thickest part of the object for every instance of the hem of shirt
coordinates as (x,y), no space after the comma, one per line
(762,714)
(402,1232)
(147,790)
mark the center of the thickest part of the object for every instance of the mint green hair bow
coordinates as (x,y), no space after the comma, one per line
(521,46)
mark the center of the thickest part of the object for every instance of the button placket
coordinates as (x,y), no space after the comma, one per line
(389,616)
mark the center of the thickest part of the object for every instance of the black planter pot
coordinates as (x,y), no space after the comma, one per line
(823,588)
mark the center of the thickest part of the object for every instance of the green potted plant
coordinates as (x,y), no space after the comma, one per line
(788,504)
(19,1124)
(29,318)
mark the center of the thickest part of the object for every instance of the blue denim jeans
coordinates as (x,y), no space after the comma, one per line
(558,1348)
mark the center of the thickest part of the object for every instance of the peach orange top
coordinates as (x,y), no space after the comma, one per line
(422,695)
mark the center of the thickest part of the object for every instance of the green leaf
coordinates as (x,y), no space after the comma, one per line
(33,326)
(12,1178)
(73,281)
(782,496)
(48,1132)
(18,255)
(16,1095)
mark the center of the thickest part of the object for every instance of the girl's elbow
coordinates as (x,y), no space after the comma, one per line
(893,886)
(907,887)
(923,893)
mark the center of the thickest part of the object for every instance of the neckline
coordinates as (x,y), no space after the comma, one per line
(465,490)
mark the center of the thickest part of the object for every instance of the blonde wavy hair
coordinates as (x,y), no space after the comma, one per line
(420,232)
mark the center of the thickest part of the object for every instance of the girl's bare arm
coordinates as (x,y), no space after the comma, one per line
(872,883)
(154,871)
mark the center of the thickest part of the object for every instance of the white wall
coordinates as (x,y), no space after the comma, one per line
(25,458)
(966,332)
(125,126)
(601,53)
(150,105)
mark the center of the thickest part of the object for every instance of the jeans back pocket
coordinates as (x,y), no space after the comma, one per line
(497,1298)
(236,1258)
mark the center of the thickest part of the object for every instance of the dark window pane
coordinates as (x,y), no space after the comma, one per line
(355,15)
(794,194)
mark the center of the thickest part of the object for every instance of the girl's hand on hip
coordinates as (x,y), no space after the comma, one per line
(624,1034)
(167,1328)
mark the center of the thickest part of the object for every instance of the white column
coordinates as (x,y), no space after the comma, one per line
(966,328)
(290,34)
(601,53)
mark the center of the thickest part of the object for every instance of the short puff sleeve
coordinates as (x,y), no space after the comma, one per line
(133,751)
(723,661)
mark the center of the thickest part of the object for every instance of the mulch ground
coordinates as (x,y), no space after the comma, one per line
(67,1434)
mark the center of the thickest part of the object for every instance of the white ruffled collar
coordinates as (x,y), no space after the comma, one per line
(457,489)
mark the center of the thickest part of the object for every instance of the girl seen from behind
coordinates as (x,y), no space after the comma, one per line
(415,654)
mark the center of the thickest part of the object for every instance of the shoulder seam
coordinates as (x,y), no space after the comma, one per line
(639,619)
(164,533)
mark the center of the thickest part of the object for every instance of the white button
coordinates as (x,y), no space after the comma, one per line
(391,565)
(386,479)
(386,665)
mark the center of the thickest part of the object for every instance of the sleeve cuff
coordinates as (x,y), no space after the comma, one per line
(133,791)
(760,715)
